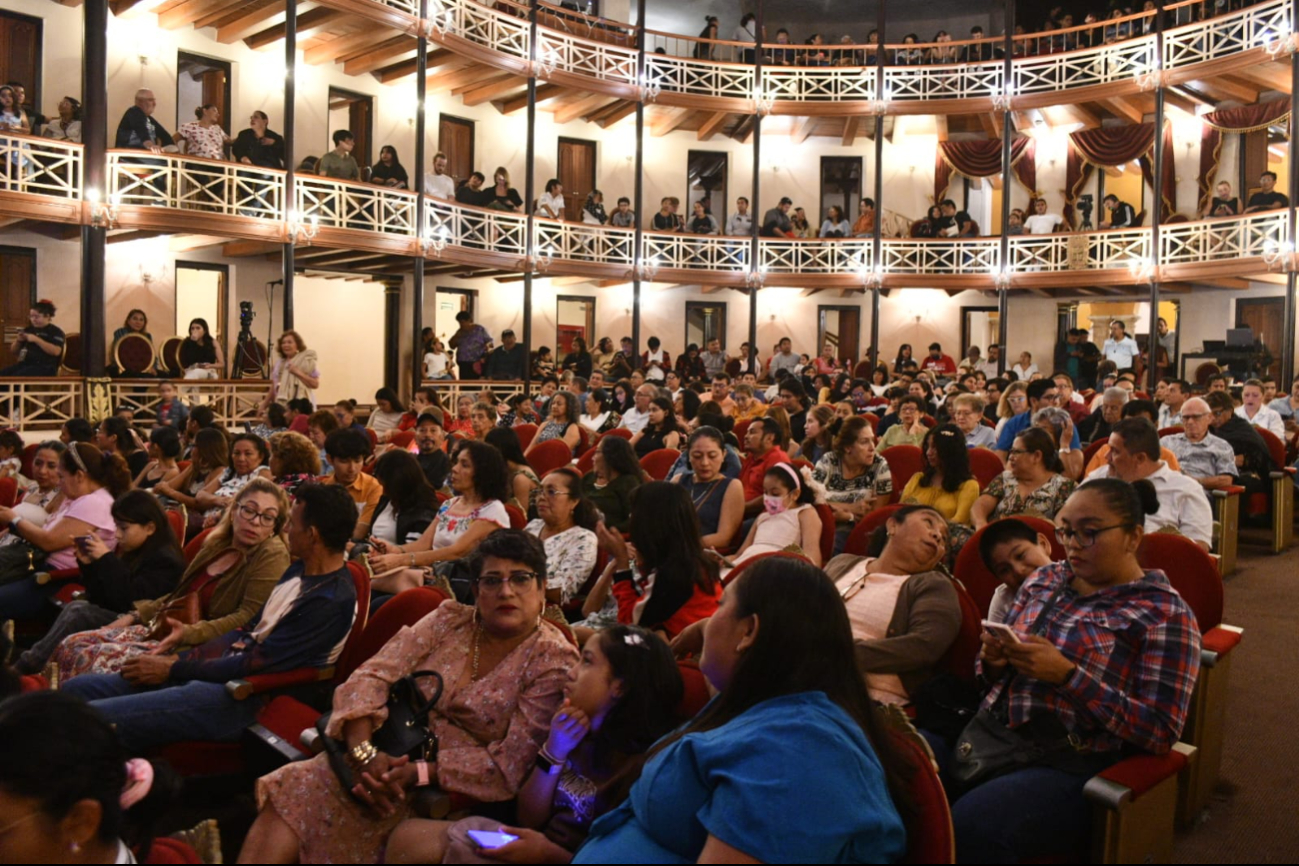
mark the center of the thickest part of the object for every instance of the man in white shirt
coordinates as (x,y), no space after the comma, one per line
(1120,348)
(1170,411)
(635,418)
(1040,222)
(437,182)
(1255,412)
(740,222)
(1134,455)
(988,366)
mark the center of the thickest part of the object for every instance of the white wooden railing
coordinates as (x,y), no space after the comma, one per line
(695,252)
(587,243)
(1121,248)
(232,401)
(1258,234)
(345,205)
(40,166)
(981,256)
(473,227)
(790,256)
(171,180)
(40,404)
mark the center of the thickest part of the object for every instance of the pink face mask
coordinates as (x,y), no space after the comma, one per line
(774,504)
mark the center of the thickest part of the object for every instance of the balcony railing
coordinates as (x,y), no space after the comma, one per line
(1103,52)
(695,252)
(474,228)
(1257,234)
(138,177)
(1122,248)
(585,243)
(232,401)
(40,166)
(343,205)
(789,256)
(40,404)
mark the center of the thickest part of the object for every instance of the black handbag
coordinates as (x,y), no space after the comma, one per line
(405,732)
(988,747)
(458,576)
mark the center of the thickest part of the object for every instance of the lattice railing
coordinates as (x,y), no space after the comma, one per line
(1258,234)
(499,31)
(341,204)
(695,252)
(699,77)
(1259,26)
(1123,248)
(819,84)
(959,81)
(137,177)
(1103,65)
(40,404)
(971,256)
(789,256)
(598,60)
(475,228)
(410,7)
(40,166)
(584,243)
(233,401)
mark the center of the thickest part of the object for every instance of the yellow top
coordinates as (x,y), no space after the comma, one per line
(954,506)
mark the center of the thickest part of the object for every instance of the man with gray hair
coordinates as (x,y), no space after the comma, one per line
(635,418)
(1203,456)
(1100,424)
(138,130)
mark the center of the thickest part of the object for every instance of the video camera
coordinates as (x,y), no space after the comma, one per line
(1086,204)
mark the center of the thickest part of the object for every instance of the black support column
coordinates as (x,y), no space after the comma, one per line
(392,332)
(877,238)
(417,278)
(1007,130)
(638,187)
(1288,307)
(1157,212)
(754,209)
(94,90)
(530,190)
(290,96)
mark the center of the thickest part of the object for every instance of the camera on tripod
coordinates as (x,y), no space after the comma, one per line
(246,316)
(1086,204)
(250,356)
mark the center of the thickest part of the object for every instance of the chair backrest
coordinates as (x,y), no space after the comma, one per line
(549,456)
(695,693)
(1090,451)
(1141,219)
(741,427)
(29,457)
(525,432)
(71,359)
(872,419)
(361,582)
(657,464)
(930,836)
(402,438)
(1190,570)
(1169,431)
(404,609)
(981,583)
(586,463)
(169,354)
(620,432)
(986,465)
(134,353)
(862,370)
(518,519)
(8,492)
(191,549)
(828,527)
(736,572)
(176,519)
(733,368)
(904,461)
(585,440)
(1204,371)
(859,538)
(1275,446)
(250,360)
(960,656)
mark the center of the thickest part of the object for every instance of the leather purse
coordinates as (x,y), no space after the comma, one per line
(406,731)
(186,610)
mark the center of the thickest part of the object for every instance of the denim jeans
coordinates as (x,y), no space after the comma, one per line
(76,616)
(26,599)
(150,716)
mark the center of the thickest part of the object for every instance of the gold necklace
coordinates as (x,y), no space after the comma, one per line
(473,666)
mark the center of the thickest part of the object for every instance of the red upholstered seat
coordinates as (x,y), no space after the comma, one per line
(657,464)
(1169,431)
(134,353)
(1090,451)
(736,572)
(978,581)
(585,440)
(586,463)
(930,836)
(70,363)
(960,656)
(171,851)
(177,522)
(192,548)
(518,519)
(872,419)
(525,432)
(33,683)
(740,428)
(904,461)
(620,432)
(402,438)
(549,456)
(824,512)
(696,690)
(29,454)
(985,464)
(860,535)
(1140,773)
(8,492)
(169,356)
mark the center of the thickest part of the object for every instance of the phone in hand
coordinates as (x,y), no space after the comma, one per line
(83,544)
(1001,631)
(489,839)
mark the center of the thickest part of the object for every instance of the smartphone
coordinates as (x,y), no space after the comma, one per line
(488,839)
(83,543)
(1000,630)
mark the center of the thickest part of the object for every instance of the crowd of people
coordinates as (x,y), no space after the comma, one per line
(571,589)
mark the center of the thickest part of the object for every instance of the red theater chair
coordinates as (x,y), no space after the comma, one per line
(978,581)
(657,464)
(985,464)
(549,456)
(525,432)
(860,535)
(904,461)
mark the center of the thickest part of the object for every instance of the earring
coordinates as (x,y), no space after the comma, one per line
(74,848)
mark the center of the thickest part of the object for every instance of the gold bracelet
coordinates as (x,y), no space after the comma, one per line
(362,753)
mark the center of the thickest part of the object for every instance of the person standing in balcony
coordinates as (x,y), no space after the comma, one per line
(472,342)
(138,130)
(471,192)
(1122,216)
(11,111)
(388,171)
(339,162)
(1120,348)
(748,34)
(864,227)
(39,346)
(509,360)
(776,221)
(258,145)
(297,374)
(1267,198)
(204,136)
(550,204)
(438,182)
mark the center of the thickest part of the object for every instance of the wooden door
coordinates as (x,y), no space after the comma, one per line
(577,174)
(214,93)
(1264,316)
(842,327)
(17,291)
(20,54)
(456,140)
(358,119)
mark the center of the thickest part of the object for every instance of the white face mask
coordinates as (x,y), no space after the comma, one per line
(774,504)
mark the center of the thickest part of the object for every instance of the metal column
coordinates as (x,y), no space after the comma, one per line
(290,194)
(94,84)
(877,238)
(1007,130)
(417,277)
(756,225)
(1157,212)
(529,192)
(638,187)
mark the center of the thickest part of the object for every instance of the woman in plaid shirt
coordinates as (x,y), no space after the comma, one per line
(1114,659)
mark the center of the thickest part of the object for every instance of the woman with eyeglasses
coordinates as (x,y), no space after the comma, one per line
(1108,654)
(89,479)
(565,523)
(231,577)
(1033,483)
(147,563)
(503,668)
(946,484)
(1013,401)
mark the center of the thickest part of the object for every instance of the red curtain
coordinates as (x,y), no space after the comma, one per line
(1116,146)
(982,159)
(1247,118)
(1025,166)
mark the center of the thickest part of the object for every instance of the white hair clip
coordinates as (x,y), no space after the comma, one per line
(633,640)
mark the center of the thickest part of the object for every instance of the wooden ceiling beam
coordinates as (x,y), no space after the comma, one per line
(243,249)
(396,71)
(1270,76)
(989,125)
(343,47)
(454,76)
(233,29)
(489,88)
(582,107)
(802,128)
(1223,88)
(940,126)
(850,127)
(712,124)
(215,18)
(670,120)
(308,22)
(518,103)
(1124,108)
(380,54)
(617,114)
(1176,99)
(187,13)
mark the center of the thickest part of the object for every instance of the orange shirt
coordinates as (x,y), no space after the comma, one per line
(1099,459)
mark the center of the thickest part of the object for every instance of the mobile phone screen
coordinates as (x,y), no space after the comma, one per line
(489,839)
(1001,631)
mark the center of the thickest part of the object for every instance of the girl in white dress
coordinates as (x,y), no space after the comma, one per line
(789,519)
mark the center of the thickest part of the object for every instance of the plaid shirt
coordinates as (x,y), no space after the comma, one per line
(1136,651)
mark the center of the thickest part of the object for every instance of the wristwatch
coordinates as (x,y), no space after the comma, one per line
(547,764)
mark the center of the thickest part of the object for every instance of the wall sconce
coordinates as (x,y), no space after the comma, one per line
(755,278)
(434,242)
(543,260)
(1277,255)
(648,268)
(1150,77)
(300,230)
(1142,270)
(763,102)
(103,216)
(1001,278)
(650,87)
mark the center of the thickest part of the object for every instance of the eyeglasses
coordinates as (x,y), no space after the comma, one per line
(1084,537)
(1017,452)
(1018,398)
(1195,417)
(252,515)
(520,581)
(552,492)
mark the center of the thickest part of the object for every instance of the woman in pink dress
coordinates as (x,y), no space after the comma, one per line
(504,669)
